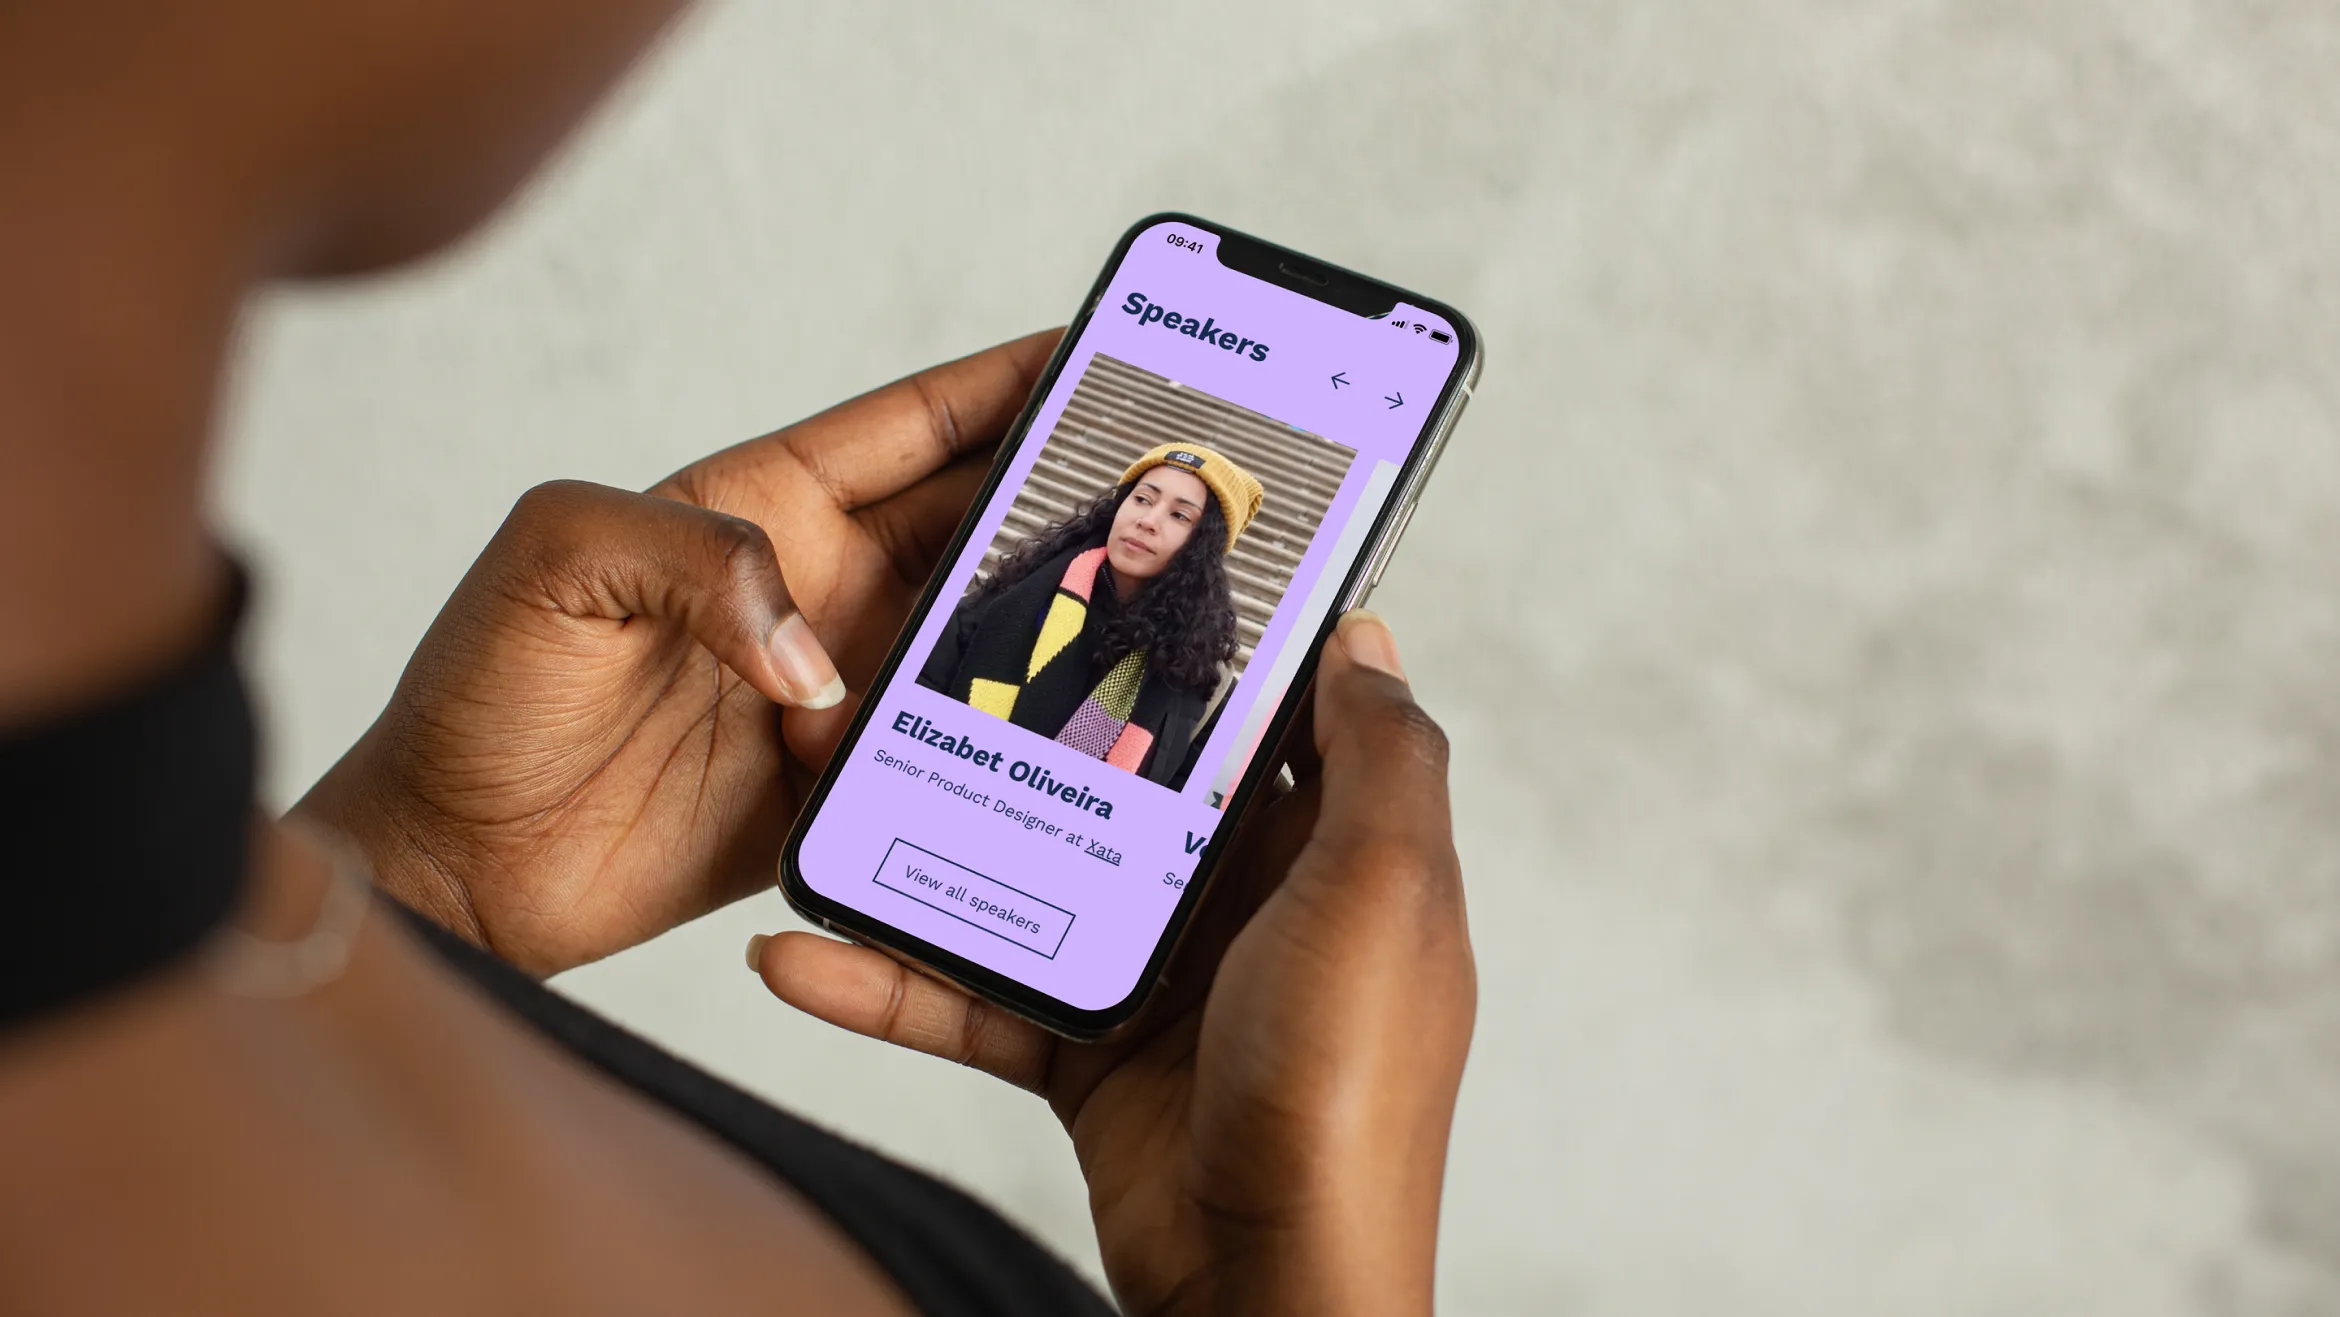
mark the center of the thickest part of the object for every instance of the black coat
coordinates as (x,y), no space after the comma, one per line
(1010,621)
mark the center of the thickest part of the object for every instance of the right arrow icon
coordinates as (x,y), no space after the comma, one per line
(1395,400)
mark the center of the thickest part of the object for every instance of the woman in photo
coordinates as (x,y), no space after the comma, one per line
(1109,632)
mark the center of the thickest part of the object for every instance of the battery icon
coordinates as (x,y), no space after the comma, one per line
(1441,336)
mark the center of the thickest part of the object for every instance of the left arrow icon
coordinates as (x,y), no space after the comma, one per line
(1340,379)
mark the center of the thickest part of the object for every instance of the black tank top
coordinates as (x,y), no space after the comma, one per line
(127,832)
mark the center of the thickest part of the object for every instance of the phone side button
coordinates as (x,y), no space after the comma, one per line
(1389,550)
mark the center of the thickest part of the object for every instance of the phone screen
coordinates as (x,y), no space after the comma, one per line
(1027,794)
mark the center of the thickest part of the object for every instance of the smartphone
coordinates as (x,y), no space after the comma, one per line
(1217,462)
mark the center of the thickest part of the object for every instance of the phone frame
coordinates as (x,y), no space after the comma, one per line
(1295,272)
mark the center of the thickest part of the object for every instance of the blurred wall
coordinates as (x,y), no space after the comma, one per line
(1883,596)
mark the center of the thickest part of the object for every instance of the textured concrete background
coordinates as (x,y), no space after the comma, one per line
(1884,596)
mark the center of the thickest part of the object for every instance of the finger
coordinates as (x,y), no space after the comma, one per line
(1269,838)
(590,551)
(870,993)
(885,441)
(905,535)
(913,528)
(1384,776)
(813,735)
(1378,883)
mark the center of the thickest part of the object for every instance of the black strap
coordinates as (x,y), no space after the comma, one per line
(949,1253)
(125,830)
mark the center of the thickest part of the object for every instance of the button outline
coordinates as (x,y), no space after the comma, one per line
(880,876)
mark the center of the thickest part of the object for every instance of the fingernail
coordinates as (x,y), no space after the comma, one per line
(1368,641)
(807,675)
(756,951)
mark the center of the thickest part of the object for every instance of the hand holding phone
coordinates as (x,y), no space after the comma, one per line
(1217,463)
(1272,1137)
(572,764)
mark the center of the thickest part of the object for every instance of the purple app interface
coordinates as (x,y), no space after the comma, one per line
(1033,789)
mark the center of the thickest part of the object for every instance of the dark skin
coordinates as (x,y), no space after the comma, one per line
(579,713)
(1272,1139)
(586,751)
(571,765)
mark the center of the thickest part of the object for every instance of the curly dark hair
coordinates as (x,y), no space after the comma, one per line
(1185,617)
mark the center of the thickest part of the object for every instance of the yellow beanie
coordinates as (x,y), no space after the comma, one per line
(1238,491)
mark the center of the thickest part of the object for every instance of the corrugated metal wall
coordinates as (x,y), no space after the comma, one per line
(1118,411)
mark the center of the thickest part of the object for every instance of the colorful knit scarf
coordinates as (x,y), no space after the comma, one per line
(1100,726)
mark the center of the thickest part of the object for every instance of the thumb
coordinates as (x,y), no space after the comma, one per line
(1383,813)
(592,551)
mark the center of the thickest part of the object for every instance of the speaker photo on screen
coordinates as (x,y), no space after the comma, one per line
(1136,570)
